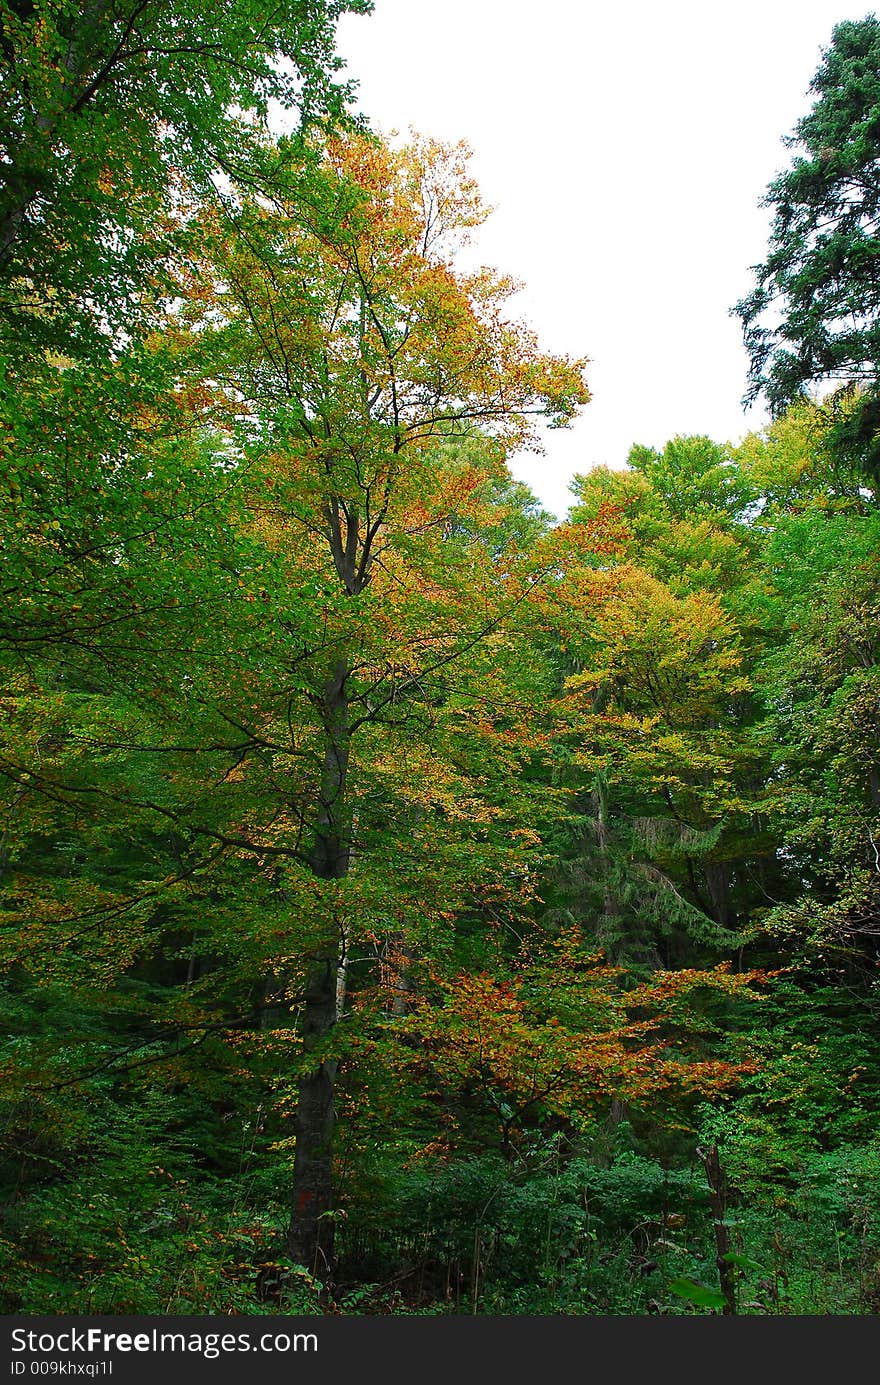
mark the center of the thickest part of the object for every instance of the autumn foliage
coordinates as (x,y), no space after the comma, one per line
(408,902)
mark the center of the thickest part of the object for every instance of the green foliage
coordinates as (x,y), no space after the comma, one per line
(554,1234)
(113,116)
(820,273)
(551,851)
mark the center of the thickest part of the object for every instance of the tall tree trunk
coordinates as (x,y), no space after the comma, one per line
(27,172)
(711,1161)
(718,881)
(24,179)
(607,934)
(310,1240)
(12,217)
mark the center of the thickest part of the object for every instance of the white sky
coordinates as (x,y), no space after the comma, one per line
(625,147)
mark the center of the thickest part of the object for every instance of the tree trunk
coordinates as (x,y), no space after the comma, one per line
(310,1240)
(11,220)
(93,32)
(711,1161)
(608,935)
(718,881)
(24,179)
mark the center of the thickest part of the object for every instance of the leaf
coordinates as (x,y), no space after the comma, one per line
(699,1294)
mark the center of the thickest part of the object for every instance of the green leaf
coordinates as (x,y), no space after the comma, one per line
(699,1294)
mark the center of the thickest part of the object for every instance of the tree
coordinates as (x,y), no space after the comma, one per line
(813,317)
(658,703)
(354,347)
(559,1034)
(110,109)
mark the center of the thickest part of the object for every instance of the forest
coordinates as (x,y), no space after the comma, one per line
(410,902)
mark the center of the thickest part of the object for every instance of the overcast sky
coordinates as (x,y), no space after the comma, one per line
(625,147)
